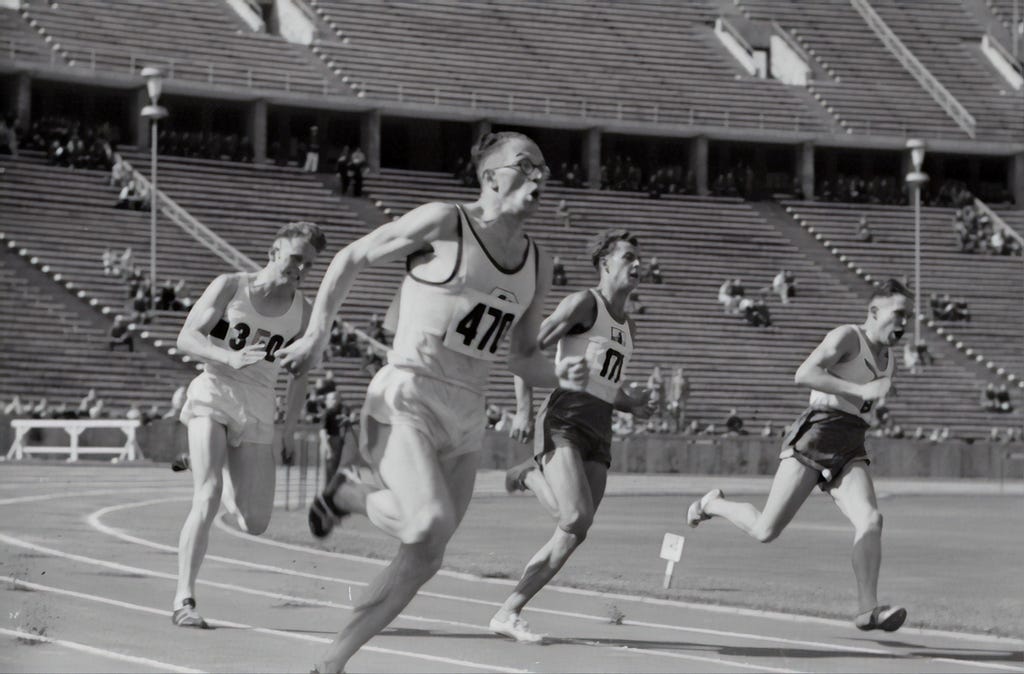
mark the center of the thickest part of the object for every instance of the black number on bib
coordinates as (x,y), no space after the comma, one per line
(612,367)
(273,344)
(866,407)
(242,333)
(469,326)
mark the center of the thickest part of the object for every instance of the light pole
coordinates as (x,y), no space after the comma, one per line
(916,179)
(154,113)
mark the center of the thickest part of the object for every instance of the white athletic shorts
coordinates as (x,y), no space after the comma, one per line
(450,416)
(246,411)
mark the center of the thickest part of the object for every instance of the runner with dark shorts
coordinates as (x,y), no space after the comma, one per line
(848,373)
(572,450)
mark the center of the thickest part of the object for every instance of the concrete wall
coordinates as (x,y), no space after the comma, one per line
(748,455)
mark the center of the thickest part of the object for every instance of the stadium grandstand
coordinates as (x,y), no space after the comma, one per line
(737,138)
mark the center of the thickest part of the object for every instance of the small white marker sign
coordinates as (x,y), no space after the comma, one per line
(671,552)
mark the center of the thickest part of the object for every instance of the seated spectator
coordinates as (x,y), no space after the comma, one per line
(654,272)
(565,213)
(375,329)
(110,267)
(918,433)
(1003,399)
(372,361)
(126,263)
(326,384)
(558,272)
(782,285)
(730,294)
(678,394)
(923,354)
(98,411)
(141,308)
(911,361)
(864,230)
(988,400)
(349,344)
(767,431)
(755,312)
(133,196)
(152,414)
(182,302)
(733,423)
(118,173)
(15,408)
(167,297)
(133,413)
(120,334)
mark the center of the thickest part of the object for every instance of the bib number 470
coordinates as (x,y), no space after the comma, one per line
(470,326)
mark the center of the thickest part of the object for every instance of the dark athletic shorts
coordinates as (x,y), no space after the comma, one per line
(826,440)
(574,419)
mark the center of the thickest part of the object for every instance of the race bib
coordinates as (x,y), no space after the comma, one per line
(607,361)
(480,323)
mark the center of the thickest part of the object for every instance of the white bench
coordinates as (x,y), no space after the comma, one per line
(129,451)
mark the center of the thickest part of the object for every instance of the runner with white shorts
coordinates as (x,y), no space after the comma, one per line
(474,278)
(236,329)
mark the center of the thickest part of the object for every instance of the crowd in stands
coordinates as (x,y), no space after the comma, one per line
(171,296)
(996,399)
(732,295)
(370,346)
(205,145)
(945,308)
(975,233)
(70,143)
(91,406)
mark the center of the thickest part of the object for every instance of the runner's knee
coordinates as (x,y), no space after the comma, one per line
(871,522)
(429,525)
(576,522)
(766,533)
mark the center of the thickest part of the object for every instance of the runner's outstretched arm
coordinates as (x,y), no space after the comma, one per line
(391,241)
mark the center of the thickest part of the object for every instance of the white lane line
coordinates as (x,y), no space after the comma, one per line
(230,587)
(990,665)
(316,602)
(93,650)
(73,494)
(259,630)
(94,520)
(1008,642)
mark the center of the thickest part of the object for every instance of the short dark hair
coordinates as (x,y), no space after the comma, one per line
(490,143)
(889,288)
(601,244)
(303,229)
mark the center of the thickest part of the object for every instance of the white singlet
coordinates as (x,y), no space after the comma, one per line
(607,346)
(242,325)
(861,369)
(457,307)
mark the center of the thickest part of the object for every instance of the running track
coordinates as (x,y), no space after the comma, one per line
(89,565)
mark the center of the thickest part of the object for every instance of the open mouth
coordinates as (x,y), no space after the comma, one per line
(897,334)
(535,194)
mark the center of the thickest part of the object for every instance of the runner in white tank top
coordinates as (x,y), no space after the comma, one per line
(574,427)
(848,373)
(475,280)
(236,329)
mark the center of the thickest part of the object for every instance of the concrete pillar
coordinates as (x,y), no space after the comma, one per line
(1016,178)
(139,127)
(481,128)
(23,100)
(256,129)
(592,158)
(805,168)
(699,163)
(369,138)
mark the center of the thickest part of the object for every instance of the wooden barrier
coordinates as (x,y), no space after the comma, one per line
(129,451)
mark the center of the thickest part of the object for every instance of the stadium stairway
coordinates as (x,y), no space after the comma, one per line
(700,242)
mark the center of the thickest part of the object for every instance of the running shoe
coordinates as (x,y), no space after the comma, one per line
(515,475)
(186,616)
(885,618)
(695,513)
(323,514)
(181,462)
(514,627)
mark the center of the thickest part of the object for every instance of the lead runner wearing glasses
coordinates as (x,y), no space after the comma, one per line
(473,278)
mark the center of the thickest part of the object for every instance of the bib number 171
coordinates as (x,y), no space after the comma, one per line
(497,323)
